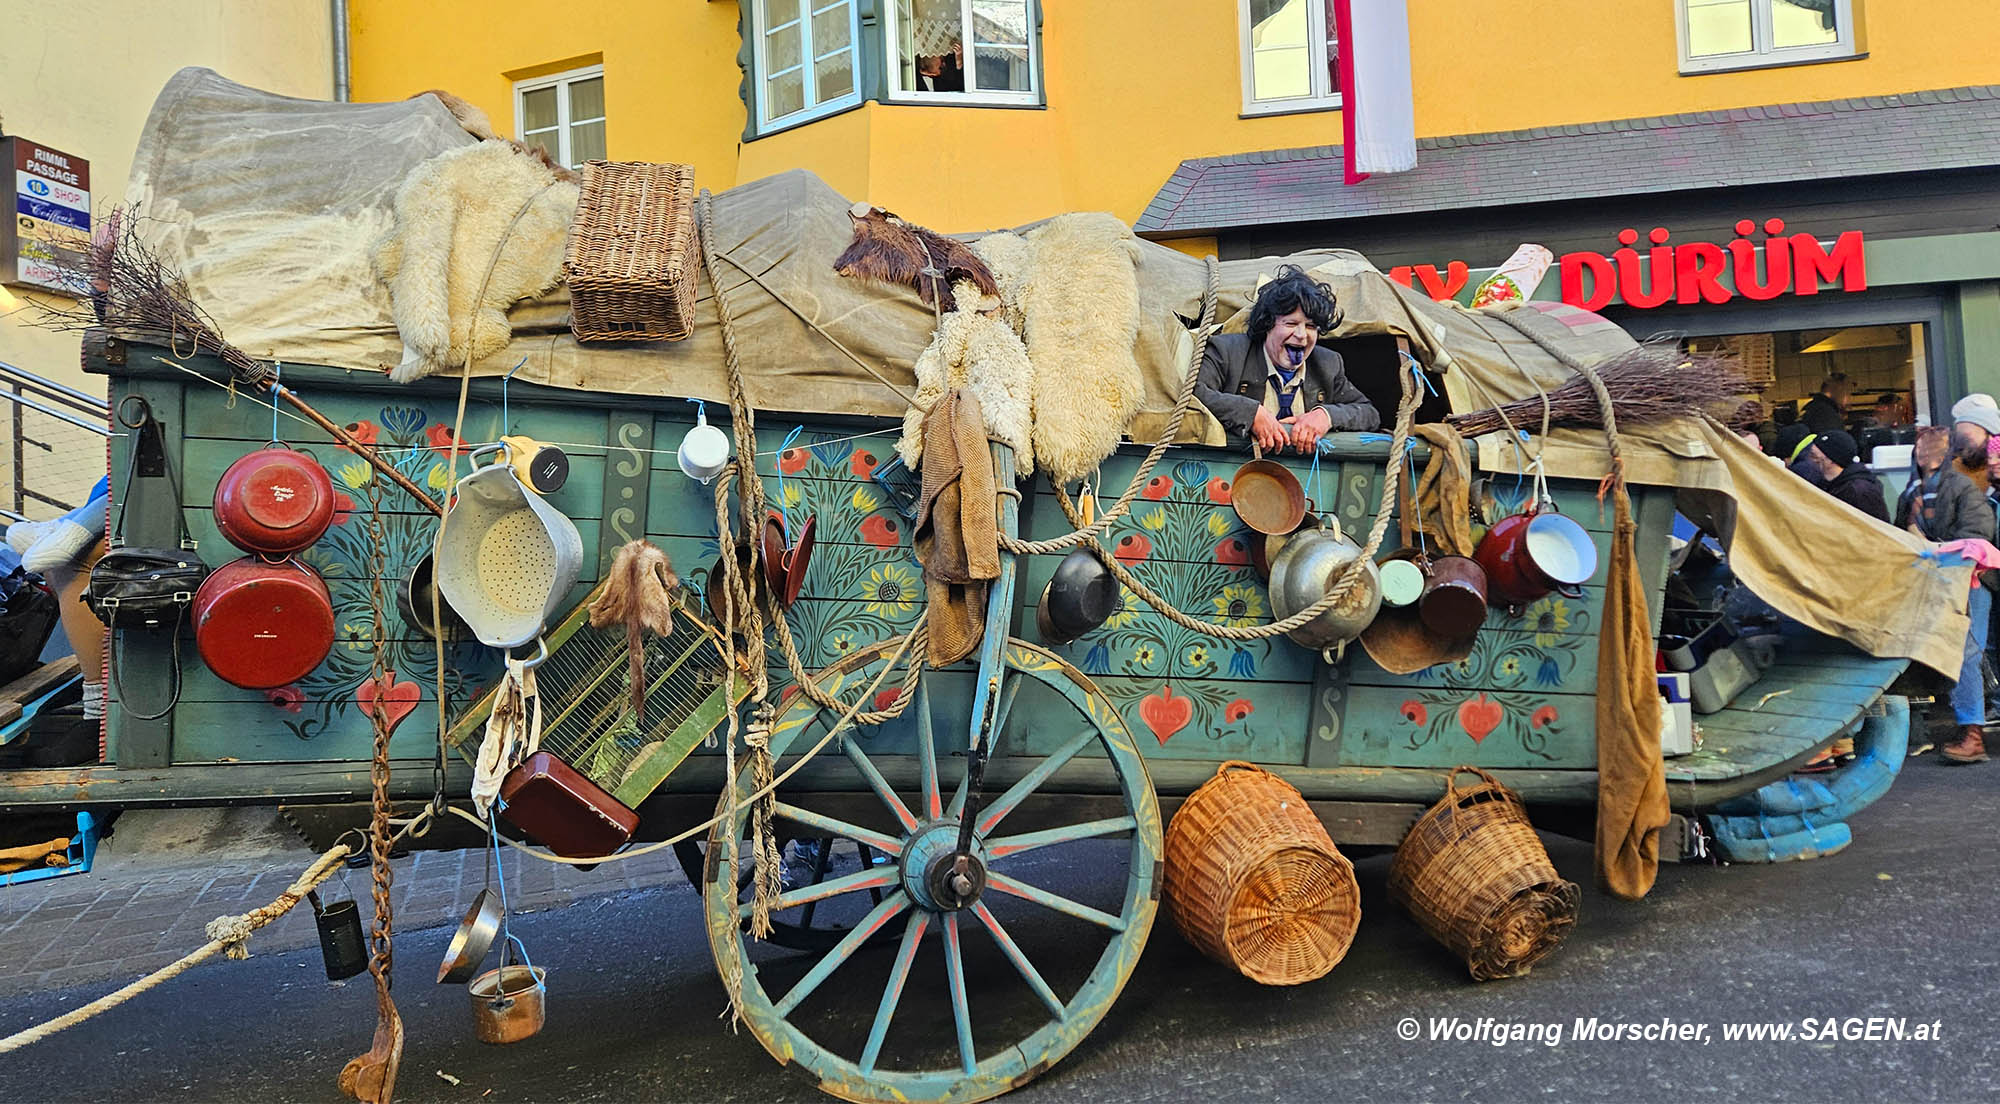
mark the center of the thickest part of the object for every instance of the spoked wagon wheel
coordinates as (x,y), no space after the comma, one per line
(817,859)
(956,1005)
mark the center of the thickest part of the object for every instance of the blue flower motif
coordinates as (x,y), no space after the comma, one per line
(1097,661)
(1548,674)
(1242,665)
(403,421)
(832,453)
(1191,473)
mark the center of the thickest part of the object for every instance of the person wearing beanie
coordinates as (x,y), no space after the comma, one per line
(1962,510)
(1845,478)
(1793,442)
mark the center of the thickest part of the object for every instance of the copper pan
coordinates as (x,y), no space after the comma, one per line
(1268,497)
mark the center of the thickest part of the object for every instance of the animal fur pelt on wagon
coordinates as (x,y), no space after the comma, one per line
(452,213)
(638,593)
(473,121)
(1079,306)
(977,351)
(894,251)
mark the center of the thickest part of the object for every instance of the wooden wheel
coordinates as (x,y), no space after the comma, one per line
(994,987)
(816,859)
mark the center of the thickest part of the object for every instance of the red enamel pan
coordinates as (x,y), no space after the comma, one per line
(274,501)
(260,624)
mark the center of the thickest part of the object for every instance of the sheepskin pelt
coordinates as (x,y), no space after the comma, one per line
(450,215)
(1080,309)
(473,121)
(978,352)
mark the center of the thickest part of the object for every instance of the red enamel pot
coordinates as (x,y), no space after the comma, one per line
(260,623)
(274,501)
(1534,553)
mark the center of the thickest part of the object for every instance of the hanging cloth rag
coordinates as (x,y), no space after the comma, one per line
(1444,492)
(1631,776)
(513,733)
(957,527)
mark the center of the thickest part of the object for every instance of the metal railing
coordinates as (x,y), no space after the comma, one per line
(68,413)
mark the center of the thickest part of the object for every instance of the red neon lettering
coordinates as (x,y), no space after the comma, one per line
(1844,264)
(1446,286)
(1697,266)
(1400,274)
(1603,280)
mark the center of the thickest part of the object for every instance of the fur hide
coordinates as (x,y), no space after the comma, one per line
(474,122)
(977,352)
(450,215)
(637,593)
(894,251)
(1079,303)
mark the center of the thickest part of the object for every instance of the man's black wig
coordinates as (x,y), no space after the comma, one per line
(1292,290)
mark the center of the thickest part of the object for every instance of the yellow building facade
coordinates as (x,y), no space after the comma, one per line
(81,78)
(1129,88)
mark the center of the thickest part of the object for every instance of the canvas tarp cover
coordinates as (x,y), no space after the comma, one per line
(270,207)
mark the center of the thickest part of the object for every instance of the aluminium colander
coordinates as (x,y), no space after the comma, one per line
(505,557)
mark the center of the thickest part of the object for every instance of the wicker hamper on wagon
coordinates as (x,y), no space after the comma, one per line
(1477,878)
(1254,881)
(632,253)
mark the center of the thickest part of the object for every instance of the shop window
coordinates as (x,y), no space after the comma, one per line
(563,115)
(1718,35)
(971,52)
(806,60)
(1291,56)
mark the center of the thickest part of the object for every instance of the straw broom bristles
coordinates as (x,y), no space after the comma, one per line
(1647,384)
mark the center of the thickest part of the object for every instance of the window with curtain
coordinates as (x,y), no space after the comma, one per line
(805,60)
(968,52)
(563,115)
(1746,34)
(1291,56)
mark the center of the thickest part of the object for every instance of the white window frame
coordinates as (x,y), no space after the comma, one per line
(893,62)
(809,64)
(1763,55)
(561,82)
(1325,95)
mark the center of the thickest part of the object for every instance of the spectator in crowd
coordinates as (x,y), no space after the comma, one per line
(1961,510)
(1845,477)
(1827,411)
(1891,411)
(1926,461)
(1793,441)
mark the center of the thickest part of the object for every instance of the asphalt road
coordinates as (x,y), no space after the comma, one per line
(1897,926)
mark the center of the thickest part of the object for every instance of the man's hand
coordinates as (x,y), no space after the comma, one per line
(1305,430)
(1269,433)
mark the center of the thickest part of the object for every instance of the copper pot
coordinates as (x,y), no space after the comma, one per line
(1268,497)
(1454,601)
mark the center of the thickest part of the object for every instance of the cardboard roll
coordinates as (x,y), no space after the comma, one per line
(260,624)
(276,500)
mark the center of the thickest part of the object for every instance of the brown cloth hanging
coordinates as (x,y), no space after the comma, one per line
(957,529)
(1631,775)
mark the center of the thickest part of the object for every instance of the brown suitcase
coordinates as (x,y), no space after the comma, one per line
(564,811)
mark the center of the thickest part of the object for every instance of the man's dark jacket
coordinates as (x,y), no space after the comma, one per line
(1232,382)
(1822,415)
(1858,487)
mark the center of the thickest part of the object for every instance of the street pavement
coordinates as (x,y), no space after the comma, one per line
(1893,927)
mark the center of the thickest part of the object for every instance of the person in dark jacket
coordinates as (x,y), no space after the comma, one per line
(1927,458)
(1962,510)
(1793,442)
(1274,386)
(1827,411)
(1847,479)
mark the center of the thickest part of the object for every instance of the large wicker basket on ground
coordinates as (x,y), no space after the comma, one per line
(1254,881)
(1477,878)
(632,253)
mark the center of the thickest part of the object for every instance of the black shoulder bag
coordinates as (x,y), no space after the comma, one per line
(146,589)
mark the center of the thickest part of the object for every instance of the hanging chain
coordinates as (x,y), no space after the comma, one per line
(380,960)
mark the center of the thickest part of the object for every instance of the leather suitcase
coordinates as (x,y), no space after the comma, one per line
(564,811)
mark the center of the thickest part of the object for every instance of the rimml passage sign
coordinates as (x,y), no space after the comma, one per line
(46,236)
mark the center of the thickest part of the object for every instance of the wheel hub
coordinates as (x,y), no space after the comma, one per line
(936,876)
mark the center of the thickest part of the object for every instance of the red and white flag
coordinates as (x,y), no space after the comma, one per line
(1378,115)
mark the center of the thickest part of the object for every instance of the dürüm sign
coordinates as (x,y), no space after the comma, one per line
(1685,273)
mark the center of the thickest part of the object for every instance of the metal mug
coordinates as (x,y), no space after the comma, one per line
(342,945)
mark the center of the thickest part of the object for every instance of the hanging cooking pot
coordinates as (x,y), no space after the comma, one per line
(1403,579)
(705,450)
(506,559)
(414,595)
(716,584)
(1454,597)
(1305,571)
(797,558)
(1079,597)
(1533,553)
(1267,496)
(343,947)
(785,557)
(276,501)
(261,624)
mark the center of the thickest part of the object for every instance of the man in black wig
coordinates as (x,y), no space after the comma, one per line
(1274,386)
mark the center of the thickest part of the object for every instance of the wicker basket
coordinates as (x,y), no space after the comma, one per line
(1477,878)
(632,253)
(1254,881)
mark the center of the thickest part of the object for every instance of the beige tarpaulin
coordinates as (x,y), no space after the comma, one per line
(270,206)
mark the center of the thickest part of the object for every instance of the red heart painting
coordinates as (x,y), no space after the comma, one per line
(1479,716)
(1165,714)
(398,701)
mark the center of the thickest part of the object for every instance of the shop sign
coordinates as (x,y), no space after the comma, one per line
(45,242)
(1685,273)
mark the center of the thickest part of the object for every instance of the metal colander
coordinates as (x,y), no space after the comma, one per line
(505,557)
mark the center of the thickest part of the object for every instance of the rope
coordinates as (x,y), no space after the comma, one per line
(1086,530)
(1336,592)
